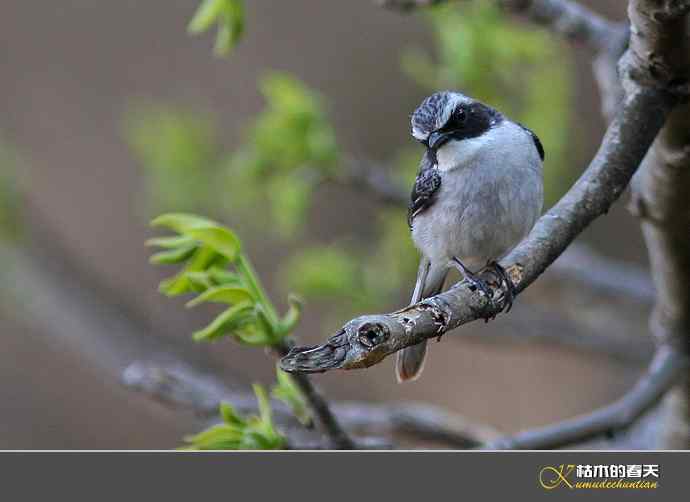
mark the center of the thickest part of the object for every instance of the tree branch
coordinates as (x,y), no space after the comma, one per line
(178,385)
(367,340)
(660,195)
(567,18)
(666,367)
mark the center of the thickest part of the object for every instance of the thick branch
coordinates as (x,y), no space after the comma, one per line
(660,194)
(367,340)
(666,367)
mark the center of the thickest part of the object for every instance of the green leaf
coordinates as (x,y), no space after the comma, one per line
(289,321)
(206,231)
(180,283)
(199,281)
(222,276)
(225,322)
(228,15)
(265,413)
(182,222)
(230,416)
(170,242)
(224,41)
(205,16)
(173,256)
(223,294)
(239,433)
(221,239)
(264,323)
(287,391)
(216,437)
(251,333)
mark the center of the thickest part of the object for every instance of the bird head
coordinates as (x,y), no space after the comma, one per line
(445,119)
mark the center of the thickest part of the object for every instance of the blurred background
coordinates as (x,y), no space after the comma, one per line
(113,114)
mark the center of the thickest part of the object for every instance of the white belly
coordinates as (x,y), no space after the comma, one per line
(478,216)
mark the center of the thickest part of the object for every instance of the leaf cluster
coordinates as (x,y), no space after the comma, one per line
(239,433)
(215,269)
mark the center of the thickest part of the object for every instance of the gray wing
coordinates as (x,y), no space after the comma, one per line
(425,187)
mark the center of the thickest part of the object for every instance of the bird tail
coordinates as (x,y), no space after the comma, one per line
(410,360)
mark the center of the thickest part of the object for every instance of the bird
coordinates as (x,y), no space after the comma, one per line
(478,193)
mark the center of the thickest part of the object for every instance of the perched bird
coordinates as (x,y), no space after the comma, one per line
(478,193)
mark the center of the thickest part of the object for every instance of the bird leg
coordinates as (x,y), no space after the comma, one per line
(474,280)
(506,285)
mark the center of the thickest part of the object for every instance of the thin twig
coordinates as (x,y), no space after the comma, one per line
(375,180)
(320,408)
(567,18)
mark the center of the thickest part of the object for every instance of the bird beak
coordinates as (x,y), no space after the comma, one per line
(437,139)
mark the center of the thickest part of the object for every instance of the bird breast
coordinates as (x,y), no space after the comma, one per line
(491,195)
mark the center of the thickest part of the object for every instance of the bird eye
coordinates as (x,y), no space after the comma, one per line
(456,120)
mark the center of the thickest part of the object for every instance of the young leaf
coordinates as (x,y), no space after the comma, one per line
(205,16)
(223,294)
(228,15)
(292,316)
(224,277)
(170,242)
(199,281)
(203,230)
(287,391)
(181,222)
(219,238)
(264,323)
(265,413)
(225,322)
(173,255)
(230,416)
(180,283)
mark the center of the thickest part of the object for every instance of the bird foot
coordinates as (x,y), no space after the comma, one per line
(504,282)
(476,282)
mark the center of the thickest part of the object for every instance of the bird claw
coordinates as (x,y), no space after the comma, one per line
(477,283)
(504,282)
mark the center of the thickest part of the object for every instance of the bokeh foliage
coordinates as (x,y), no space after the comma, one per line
(180,152)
